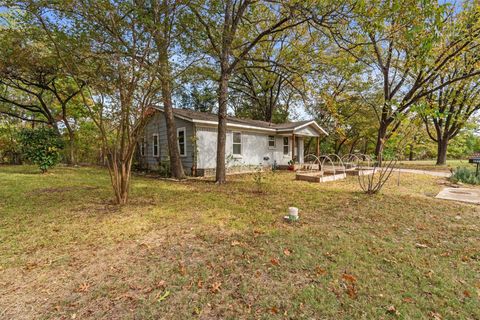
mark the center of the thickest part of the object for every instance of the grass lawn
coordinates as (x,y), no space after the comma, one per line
(430,165)
(197,250)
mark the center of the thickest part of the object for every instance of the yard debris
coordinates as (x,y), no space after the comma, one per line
(84,287)
(421,245)
(235,243)
(160,284)
(163,296)
(181,268)
(273,310)
(275,261)
(320,271)
(392,310)
(287,252)
(435,315)
(349,278)
(349,285)
(408,300)
(215,287)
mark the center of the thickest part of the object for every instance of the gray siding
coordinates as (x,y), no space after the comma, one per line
(157,125)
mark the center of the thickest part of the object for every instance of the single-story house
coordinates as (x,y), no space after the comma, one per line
(249,142)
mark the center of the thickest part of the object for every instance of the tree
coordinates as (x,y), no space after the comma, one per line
(161,20)
(200,98)
(10,151)
(230,31)
(41,146)
(271,78)
(407,46)
(107,47)
(448,111)
(33,85)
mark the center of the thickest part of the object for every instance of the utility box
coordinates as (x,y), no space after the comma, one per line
(475,158)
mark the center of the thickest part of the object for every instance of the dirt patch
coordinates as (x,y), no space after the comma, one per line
(105,282)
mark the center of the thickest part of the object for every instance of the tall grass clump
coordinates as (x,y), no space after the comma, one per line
(465,175)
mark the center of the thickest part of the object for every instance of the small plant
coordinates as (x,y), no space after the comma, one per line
(291,163)
(465,175)
(164,168)
(258,178)
(372,183)
(41,146)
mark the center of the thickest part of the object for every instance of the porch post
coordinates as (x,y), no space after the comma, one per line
(318,146)
(293,146)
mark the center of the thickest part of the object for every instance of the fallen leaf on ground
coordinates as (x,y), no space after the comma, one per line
(275,261)
(349,278)
(215,287)
(84,287)
(274,310)
(163,296)
(320,271)
(160,284)
(421,245)
(435,315)
(352,291)
(181,269)
(287,252)
(408,300)
(392,310)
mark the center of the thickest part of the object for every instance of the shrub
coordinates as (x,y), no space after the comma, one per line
(41,146)
(164,169)
(372,183)
(465,175)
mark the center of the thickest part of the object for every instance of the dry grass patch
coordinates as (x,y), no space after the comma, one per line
(197,250)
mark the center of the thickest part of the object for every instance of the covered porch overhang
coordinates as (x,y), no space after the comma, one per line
(298,135)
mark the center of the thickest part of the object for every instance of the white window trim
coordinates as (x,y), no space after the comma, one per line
(143,144)
(274,142)
(283,147)
(184,141)
(237,155)
(153,145)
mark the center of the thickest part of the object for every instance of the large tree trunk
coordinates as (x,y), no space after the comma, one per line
(442,145)
(220,175)
(176,166)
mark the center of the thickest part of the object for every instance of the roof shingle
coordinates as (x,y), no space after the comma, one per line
(205,116)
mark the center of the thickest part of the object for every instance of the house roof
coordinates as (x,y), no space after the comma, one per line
(211,118)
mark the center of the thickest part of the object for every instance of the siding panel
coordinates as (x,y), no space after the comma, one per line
(157,125)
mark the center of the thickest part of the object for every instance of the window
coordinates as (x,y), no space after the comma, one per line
(155,146)
(286,146)
(181,141)
(271,142)
(142,147)
(237,143)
